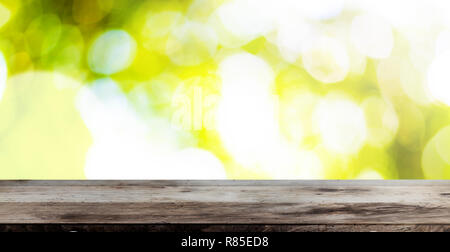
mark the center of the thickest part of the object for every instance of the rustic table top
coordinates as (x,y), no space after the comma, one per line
(226,205)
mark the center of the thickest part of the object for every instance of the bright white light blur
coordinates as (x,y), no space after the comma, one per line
(121,146)
(443,43)
(317,10)
(327,61)
(191,44)
(107,112)
(245,73)
(126,159)
(286,162)
(442,8)
(439,79)
(342,125)
(143,160)
(247,122)
(127,146)
(5,15)
(112,52)
(421,45)
(309,166)
(369,174)
(3,75)
(247,127)
(399,13)
(372,36)
(294,35)
(195,163)
(312,167)
(240,21)
(246,119)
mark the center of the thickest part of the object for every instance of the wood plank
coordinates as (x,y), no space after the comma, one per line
(314,203)
(219,228)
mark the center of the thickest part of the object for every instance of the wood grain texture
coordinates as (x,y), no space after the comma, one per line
(193,228)
(308,205)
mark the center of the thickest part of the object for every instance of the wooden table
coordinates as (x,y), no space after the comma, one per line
(225,205)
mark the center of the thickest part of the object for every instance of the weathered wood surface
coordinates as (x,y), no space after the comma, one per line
(313,205)
(193,228)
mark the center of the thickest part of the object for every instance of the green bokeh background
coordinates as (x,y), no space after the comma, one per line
(55,36)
